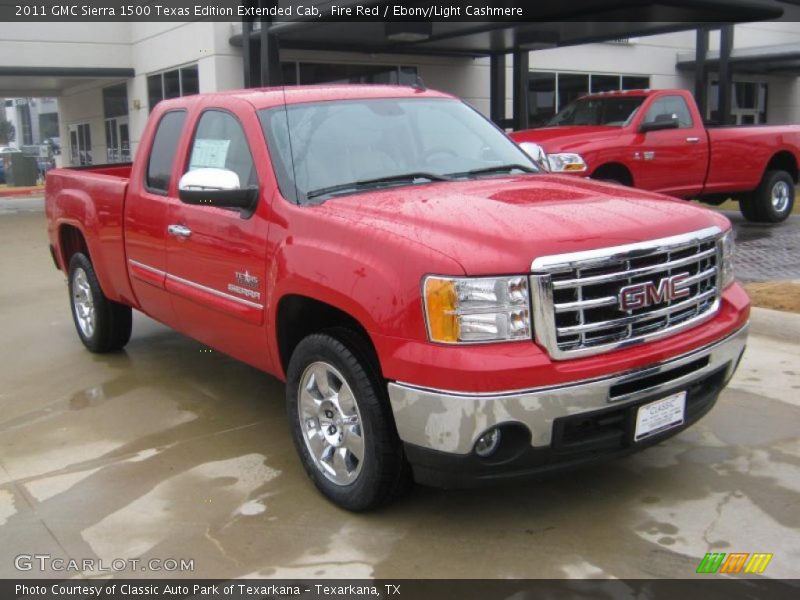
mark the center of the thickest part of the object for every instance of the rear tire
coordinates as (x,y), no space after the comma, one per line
(341,423)
(773,200)
(102,324)
(748,208)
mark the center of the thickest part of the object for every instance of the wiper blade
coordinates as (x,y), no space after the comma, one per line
(495,169)
(377,181)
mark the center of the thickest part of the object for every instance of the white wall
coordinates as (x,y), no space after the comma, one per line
(783,102)
(652,55)
(44,44)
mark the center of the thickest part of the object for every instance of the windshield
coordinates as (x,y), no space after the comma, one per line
(613,111)
(347,146)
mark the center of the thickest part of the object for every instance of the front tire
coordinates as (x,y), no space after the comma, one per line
(773,200)
(341,423)
(102,324)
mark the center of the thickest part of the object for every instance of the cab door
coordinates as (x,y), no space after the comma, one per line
(216,258)
(671,161)
(146,211)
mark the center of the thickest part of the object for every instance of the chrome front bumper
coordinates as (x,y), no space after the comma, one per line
(452,422)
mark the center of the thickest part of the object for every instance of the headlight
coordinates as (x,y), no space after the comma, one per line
(726,245)
(566,162)
(485,309)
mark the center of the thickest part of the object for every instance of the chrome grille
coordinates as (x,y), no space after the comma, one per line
(576,297)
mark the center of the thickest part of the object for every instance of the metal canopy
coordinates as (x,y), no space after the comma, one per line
(51,81)
(557,24)
(777,59)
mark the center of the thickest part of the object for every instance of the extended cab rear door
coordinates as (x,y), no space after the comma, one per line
(146,210)
(216,259)
(671,161)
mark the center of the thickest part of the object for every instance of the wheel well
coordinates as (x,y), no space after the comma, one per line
(300,316)
(784,161)
(71,241)
(615,171)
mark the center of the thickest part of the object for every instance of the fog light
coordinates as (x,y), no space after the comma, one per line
(488,443)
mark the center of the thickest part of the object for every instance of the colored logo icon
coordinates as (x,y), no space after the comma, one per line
(733,563)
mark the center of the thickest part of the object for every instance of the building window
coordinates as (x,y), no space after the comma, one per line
(604,83)
(550,92)
(571,87)
(115,111)
(541,97)
(175,83)
(748,102)
(305,73)
(115,101)
(24,119)
(48,125)
(630,82)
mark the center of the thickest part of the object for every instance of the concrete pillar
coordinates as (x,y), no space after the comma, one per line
(725,79)
(700,71)
(270,53)
(521,66)
(250,56)
(497,88)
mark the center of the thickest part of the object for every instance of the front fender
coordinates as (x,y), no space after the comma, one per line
(372,276)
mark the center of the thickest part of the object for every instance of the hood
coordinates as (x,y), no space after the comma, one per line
(558,139)
(499,225)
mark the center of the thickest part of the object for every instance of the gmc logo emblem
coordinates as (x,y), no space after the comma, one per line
(642,295)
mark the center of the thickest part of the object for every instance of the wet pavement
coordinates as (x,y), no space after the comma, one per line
(166,451)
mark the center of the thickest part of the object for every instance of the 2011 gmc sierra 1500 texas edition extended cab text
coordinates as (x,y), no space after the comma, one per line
(656,140)
(436,305)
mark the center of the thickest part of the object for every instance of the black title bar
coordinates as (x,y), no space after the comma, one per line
(677,11)
(707,588)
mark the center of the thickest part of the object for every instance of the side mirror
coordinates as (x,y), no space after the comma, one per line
(661,122)
(217,187)
(537,154)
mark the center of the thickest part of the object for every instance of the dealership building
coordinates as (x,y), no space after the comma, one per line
(107,77)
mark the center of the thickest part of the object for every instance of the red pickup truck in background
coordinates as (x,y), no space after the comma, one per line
(655,140)
(436,305)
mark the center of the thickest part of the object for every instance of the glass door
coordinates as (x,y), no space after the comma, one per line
(117,140)
(80,144)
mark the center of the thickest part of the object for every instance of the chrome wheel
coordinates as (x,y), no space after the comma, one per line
(83,302)
(330,423)
(781,195)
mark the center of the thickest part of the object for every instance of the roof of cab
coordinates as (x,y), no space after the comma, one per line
(621,93)
(275,96)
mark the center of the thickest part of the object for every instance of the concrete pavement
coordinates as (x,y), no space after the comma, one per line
(166,451)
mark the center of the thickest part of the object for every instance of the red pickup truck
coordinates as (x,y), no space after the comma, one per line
(436,305)
(655,140)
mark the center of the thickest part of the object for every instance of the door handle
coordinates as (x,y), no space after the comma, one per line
(692,140)
(179,231)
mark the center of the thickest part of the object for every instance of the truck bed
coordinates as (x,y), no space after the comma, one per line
(91,200)
(739,154)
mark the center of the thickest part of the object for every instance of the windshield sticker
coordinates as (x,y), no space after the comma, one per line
(208,153)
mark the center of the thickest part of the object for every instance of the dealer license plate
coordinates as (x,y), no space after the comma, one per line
(658,416)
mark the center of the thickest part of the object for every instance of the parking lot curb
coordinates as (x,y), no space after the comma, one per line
(776,324)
